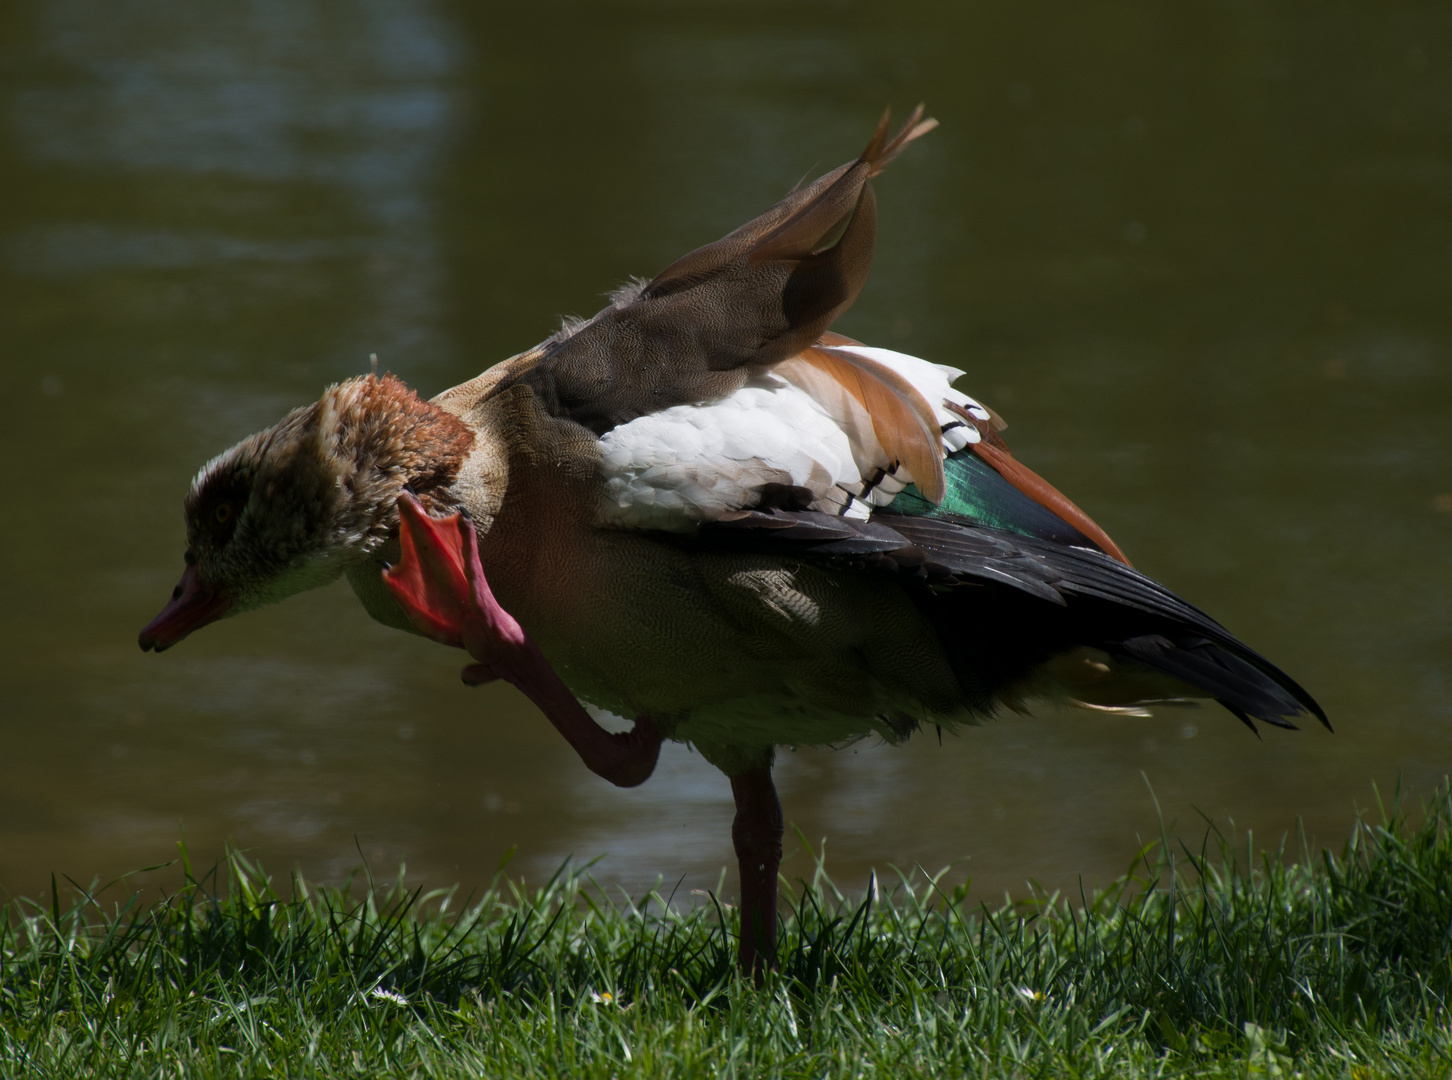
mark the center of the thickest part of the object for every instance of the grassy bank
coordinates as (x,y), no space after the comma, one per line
(1210,962)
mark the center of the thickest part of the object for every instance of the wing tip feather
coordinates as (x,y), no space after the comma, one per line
(881,151)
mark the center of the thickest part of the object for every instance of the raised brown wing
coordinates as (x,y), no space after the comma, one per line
(740,305)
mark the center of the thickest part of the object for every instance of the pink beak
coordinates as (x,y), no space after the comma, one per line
(192,606)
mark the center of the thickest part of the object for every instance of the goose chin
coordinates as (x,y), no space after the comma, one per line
(193,605)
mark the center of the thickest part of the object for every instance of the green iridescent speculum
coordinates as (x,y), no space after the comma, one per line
(975,492)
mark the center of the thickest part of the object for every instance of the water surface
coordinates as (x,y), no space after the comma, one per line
(1198,257)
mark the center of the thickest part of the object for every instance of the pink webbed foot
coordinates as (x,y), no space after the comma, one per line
(441,587)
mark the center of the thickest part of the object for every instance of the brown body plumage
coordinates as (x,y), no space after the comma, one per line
(711,512)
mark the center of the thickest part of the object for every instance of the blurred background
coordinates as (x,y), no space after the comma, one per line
(1199,256)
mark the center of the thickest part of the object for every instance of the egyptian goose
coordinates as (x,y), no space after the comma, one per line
(703,510)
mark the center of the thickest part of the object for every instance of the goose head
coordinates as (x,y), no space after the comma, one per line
(295,506)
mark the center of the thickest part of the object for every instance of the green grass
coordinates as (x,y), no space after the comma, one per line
(1222,961)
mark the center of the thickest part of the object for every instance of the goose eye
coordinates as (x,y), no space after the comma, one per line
(222,514)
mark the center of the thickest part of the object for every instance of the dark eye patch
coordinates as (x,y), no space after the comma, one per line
(219,508)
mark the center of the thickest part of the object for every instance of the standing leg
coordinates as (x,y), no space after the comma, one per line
(756,834)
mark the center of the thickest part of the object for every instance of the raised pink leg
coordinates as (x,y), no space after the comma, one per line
(441,587)
(756,834)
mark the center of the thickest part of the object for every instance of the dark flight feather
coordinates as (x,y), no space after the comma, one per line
(1005,602)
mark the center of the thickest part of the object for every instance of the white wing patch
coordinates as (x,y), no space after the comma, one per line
(684,465)
(693,463)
